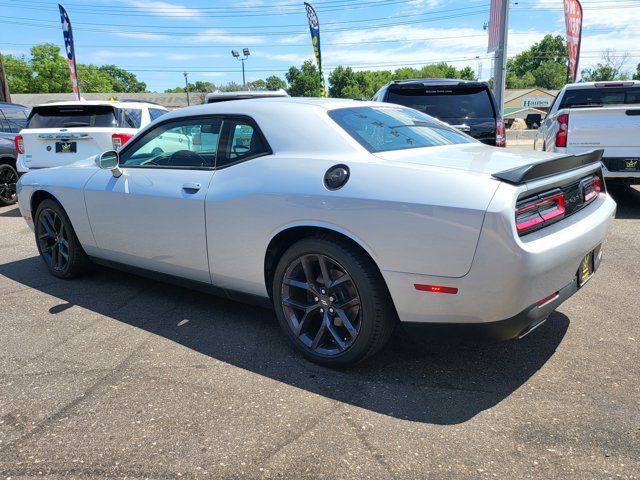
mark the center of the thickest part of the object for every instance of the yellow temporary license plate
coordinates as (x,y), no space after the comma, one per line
(586,269)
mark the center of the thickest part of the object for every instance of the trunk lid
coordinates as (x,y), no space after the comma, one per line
(471,157)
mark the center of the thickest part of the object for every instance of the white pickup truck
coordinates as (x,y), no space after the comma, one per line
(597,115)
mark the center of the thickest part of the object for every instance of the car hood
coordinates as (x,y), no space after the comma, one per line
(471,157)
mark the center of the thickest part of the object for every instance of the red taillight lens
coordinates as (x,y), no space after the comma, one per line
(19,143)
(436,289)
(534,213)
(563,128)
(119,139)
(501,137)
(592,189)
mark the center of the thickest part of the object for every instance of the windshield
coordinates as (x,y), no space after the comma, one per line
(445,102)
(67,116)
(381,129)
(600,96)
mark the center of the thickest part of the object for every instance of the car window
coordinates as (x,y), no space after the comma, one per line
(600,96)
(381,129)
(180,144)
(156,113)
(15,118)
(131,117)
(68,116)
(446,102)
(243,141)
(4,125)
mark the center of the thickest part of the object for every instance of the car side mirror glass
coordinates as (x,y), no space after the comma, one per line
(109,161)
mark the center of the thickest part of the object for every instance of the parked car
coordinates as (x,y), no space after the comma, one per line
(345,216)
(468,106)
(13,118)
(603,115)
(215,97)
(62,132)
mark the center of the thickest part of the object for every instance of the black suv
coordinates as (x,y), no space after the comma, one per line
(13,118)
(468,106)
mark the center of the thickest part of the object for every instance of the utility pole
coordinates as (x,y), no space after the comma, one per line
(500,59)
(236,55)
(5,94)
(186,85)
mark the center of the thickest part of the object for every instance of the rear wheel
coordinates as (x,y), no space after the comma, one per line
(8,179)
(332,302)
(57,242)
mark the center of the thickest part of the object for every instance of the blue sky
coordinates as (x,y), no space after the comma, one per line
(158,40)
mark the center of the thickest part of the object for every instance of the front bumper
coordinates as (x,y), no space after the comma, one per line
(509,275)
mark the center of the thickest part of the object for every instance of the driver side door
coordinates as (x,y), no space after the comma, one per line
(153,215)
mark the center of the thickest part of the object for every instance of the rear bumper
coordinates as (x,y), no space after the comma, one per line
(620,176)
(515,327)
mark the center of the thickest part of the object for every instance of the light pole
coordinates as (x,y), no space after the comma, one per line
(186,85)
(236,55)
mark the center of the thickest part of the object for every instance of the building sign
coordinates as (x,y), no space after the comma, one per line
(536,102)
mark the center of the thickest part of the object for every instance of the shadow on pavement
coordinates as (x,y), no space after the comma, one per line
(444,381)
(12,212)
(628,200)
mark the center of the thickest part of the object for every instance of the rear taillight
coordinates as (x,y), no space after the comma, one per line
(542,210)
(563,128)
(119,139)
(501,137)
(592,189)
(19,143)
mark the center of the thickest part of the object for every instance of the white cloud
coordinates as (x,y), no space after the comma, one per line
(220,35)
(191,56)
(166,9)
(141,35)
(115,53)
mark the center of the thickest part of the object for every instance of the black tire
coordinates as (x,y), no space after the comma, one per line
(54,233)
(8,179)
(374,317)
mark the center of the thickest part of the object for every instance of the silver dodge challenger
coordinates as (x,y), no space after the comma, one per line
(347,217)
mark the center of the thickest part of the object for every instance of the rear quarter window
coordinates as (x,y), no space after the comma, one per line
(156,113)
(381,129)
(445,102)
(69,116)
(130,117)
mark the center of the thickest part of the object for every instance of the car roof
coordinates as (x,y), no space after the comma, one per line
(246,94)
(419,82)
(101,102)
(608,83)
(13,105)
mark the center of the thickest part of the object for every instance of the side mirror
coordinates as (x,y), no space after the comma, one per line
(109,161)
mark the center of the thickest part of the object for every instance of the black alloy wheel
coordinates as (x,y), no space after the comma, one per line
(53,240)
(8,179)
(332,302)
(322,304)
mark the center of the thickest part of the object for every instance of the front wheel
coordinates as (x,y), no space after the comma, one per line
(332,302)
(8,180)
(57,242)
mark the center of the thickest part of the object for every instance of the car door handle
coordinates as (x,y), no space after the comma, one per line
(192,186)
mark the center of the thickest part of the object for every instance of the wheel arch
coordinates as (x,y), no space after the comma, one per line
(8,160)
(291,234)
(38,196)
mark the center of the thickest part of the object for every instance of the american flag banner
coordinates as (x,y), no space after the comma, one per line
(67,33)
(495,23)
(573,21)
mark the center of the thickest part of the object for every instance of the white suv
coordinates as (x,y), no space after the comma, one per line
(61,133)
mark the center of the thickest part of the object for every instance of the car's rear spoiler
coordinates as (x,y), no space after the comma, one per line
(534,171)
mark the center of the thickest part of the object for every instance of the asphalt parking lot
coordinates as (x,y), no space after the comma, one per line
(118,376)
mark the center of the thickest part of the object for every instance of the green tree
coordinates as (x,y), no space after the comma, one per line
(50,69)
(19,74)
(304,81)
(123,81)
(637,74)
(93,79)
(610,68)
(257,85)
(467,73)
(540,66)
(275,83)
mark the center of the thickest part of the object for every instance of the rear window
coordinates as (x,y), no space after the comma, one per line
(600,96)
(14,120)
(381,129)
(68,116)
(445,102)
